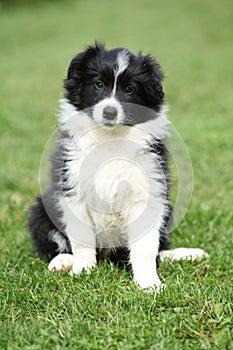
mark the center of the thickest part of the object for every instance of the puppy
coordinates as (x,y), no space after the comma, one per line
(109,193)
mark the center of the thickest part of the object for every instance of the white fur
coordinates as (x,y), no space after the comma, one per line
(99,108)
(183,254)
(130,165)
(84,258)
(61,262)
(143,253)
(56,237)
(122,64)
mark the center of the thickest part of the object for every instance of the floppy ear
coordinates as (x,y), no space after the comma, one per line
(73,81)
(75,76)
(159,89)
(154,69)
(82,58)
(74,64)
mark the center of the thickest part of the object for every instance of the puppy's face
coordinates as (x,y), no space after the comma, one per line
(112,85)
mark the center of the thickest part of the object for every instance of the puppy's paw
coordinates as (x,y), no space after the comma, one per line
(183,254)
(80,265)
(61,262)
(149,282)
(155,288)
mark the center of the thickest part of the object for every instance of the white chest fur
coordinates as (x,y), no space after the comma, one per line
(112,175)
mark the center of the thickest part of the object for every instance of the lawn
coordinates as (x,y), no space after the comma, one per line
(104,310)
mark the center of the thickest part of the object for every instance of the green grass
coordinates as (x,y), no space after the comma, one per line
(41,310)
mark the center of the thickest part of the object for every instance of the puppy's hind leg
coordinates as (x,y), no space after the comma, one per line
(183,254)
(47,239)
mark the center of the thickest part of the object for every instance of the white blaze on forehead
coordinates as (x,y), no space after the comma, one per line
(122,63)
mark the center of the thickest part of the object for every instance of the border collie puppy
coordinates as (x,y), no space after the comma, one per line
(109,193)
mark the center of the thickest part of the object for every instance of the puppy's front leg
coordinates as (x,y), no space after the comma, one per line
(82,239)
(84,257)
(83,245)
(143,253)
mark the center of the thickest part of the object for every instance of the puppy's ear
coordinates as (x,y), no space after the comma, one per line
(74,65)
(73,81)
(78,62)
(154,69)
(78,67)
(159,89)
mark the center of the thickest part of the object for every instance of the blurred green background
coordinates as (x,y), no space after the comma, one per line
(192,40)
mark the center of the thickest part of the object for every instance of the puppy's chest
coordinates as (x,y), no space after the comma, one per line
(109,173)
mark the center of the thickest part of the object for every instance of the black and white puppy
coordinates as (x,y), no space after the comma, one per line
(109,195)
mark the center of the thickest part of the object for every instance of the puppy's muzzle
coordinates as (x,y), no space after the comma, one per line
(110,113)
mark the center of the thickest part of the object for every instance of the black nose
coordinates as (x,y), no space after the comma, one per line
(110,112)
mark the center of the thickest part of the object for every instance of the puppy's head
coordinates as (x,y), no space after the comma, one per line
(112,84)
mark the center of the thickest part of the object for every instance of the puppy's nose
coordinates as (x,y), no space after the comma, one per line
(110,113)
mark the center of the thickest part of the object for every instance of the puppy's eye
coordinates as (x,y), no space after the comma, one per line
(99,85)
(129,89)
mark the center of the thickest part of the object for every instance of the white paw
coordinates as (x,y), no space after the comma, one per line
(80,264)
(147,281)
(183,254)
(61,262)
